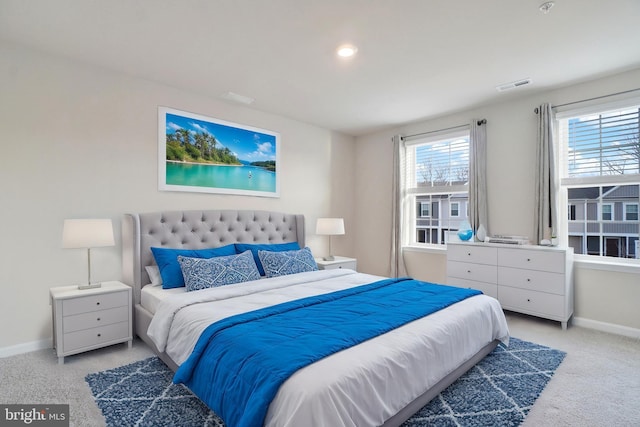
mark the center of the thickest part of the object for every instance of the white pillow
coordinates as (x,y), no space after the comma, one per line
(154,275)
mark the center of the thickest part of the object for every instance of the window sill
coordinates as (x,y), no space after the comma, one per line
(607,264)
(432,249)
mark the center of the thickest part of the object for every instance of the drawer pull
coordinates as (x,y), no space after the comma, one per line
(528,300)
(528,280)
(528,259)
(468,271)
(99,335)
(98,303)
(98,319)
(469,253)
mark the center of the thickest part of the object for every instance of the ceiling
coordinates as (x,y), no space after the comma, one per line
(416,59)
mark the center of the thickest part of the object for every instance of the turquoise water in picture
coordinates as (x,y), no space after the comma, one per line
(242,177)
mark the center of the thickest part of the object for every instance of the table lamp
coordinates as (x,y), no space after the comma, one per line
(330,227)
(87,233)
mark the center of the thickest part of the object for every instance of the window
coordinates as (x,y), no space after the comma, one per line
(630,211)
(425,209)
(455,209)
(437,177)
(600,177)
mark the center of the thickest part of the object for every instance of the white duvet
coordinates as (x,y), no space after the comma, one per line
(361,386)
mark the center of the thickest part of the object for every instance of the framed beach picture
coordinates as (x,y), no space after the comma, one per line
(202,154)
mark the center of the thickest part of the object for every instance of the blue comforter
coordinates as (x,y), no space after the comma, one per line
(239,363)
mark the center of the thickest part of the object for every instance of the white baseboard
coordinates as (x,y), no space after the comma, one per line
(606,327)
(27,347)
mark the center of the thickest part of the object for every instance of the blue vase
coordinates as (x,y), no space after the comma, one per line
(465,234)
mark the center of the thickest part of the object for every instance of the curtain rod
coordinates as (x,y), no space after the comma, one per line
(536,110)
(479,122)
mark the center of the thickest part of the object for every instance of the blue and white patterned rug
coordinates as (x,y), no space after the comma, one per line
(498,391)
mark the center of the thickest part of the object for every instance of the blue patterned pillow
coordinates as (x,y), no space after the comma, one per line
(203,273)
(272,247)
(287,262)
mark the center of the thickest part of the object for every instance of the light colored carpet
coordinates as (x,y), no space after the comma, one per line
(598,383)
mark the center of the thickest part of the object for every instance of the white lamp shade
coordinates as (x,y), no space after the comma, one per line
(87,233)
(330,226)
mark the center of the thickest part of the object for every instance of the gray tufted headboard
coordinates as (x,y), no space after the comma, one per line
(197,230)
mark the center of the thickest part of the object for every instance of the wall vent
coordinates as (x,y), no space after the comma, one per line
(513,85)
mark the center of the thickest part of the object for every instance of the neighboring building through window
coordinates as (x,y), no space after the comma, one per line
(437,185)
(600,170)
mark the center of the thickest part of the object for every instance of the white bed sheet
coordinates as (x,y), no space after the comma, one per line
(360,386)
(151,295)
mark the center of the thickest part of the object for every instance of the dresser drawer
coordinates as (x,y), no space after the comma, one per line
(91,303)
(470,271)
(96,336)
(534,280)
(490,289)
(471,253)
(532,259)
(530,302)
(94,319)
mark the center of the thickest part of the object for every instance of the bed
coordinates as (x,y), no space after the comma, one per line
(381,381)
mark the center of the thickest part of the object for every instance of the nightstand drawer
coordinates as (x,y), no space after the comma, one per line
(95,319)
(534,280)
(96,336)
(91,303)
(344,264)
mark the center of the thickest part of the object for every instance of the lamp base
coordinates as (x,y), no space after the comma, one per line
(90,286)
(329,258)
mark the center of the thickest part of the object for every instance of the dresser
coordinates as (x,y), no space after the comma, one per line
(535,280)
(90,318)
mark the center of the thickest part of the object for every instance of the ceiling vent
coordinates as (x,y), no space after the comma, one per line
(236,97)
(513,85)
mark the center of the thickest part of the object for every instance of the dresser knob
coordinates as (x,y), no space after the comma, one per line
(468,271)
(469,253)
(528,300)
(99,335)
(98,303)
(528,259)
(528,280)
(98,319)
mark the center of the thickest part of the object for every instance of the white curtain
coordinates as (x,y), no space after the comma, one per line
(546,209)
(397,267)
(478,211)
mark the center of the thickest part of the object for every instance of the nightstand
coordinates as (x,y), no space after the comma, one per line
(339,262)
(87,319)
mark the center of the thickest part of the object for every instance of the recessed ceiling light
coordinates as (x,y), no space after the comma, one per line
(347,50)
